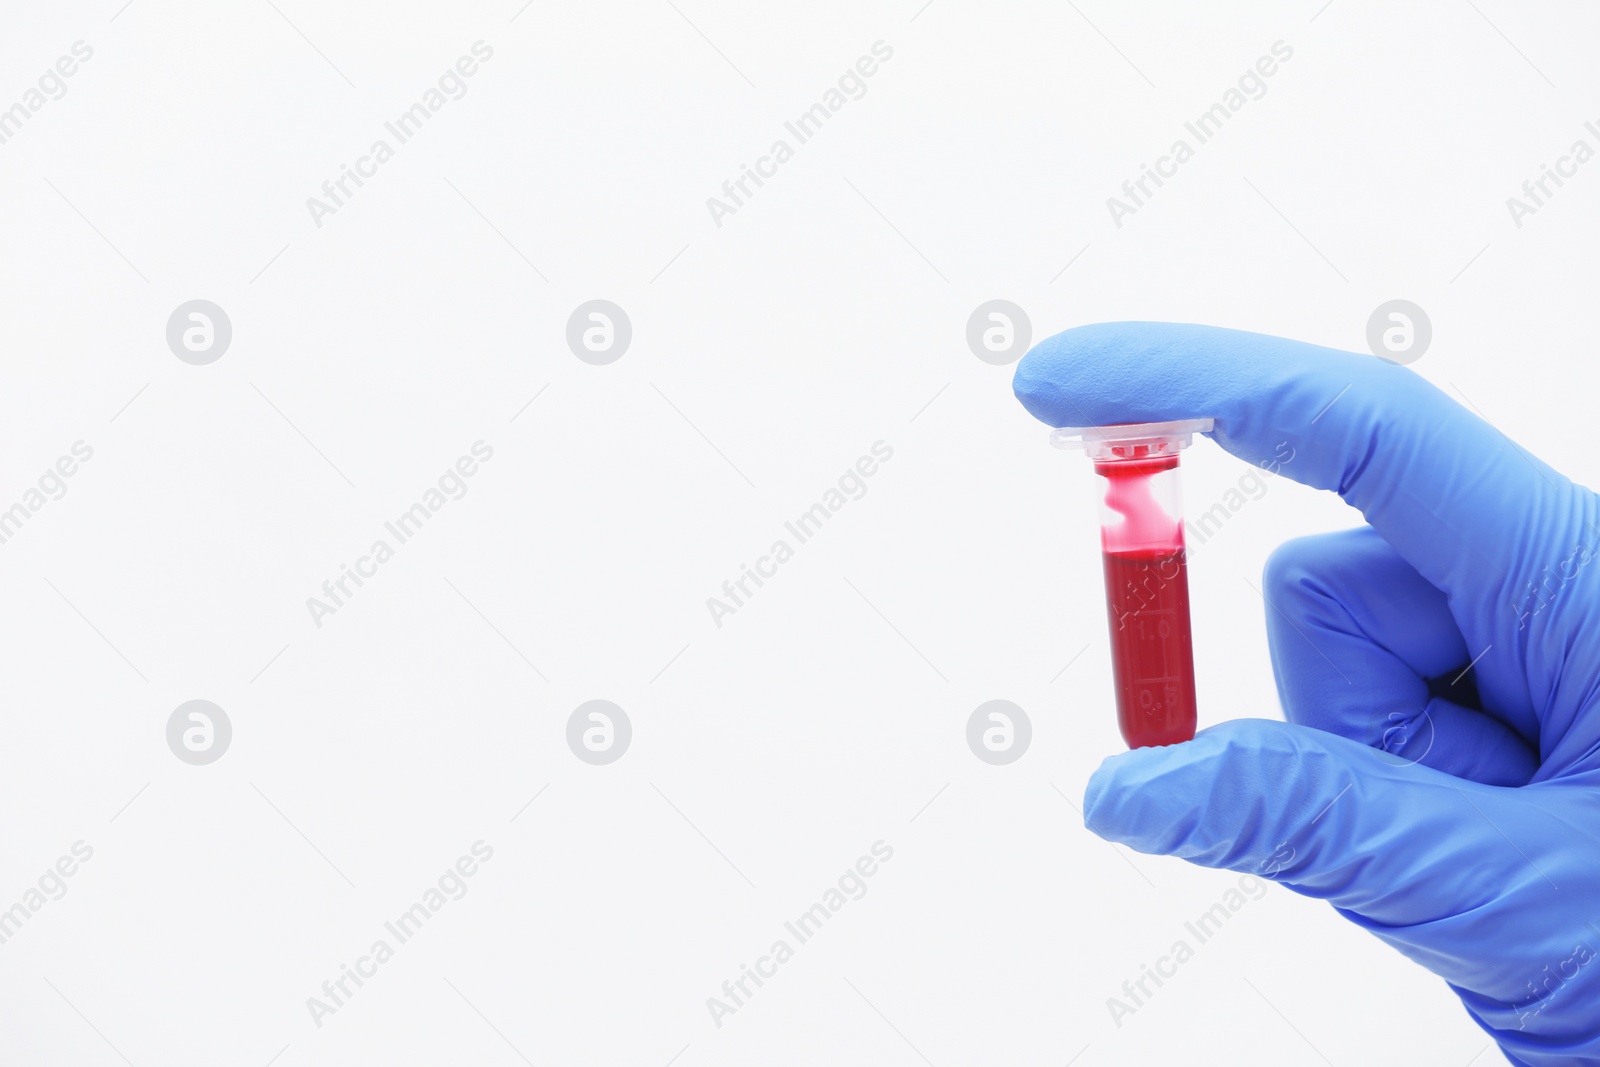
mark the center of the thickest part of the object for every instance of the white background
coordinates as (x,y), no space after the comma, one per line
(768,354)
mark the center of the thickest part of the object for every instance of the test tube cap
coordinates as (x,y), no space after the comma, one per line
(1127,440)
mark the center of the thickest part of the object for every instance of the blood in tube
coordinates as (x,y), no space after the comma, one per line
(1147,606)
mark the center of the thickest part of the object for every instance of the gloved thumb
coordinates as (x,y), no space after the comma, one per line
(1395,843)
(1486,886)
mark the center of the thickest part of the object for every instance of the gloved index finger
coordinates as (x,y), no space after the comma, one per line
(1459,501)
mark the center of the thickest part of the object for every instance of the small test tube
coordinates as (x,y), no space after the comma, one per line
(1146,573)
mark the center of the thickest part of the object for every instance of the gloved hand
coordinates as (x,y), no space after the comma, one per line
(1459,823)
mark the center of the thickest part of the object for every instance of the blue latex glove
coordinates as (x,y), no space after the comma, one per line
(1459,823)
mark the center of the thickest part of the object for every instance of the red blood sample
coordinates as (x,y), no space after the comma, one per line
(1147,607)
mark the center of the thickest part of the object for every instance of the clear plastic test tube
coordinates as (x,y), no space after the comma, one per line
(1146,573)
